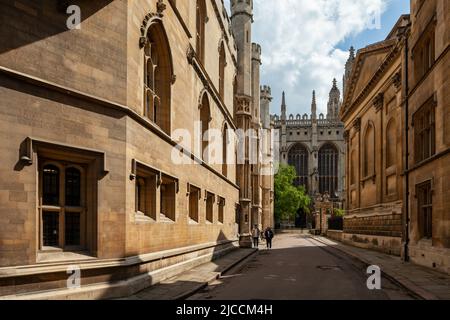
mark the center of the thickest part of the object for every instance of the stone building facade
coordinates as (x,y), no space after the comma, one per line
(372,113)
(96,168)
(428,171)
(399,87)
(314,144)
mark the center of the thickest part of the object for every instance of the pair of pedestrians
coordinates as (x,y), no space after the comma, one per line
(268,235)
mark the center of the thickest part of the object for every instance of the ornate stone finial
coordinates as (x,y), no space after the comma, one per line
(352,52)
(335,83)
(283,107)
(314,105)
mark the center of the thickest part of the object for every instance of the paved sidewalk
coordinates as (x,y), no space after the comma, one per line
(189,282)
(426,283)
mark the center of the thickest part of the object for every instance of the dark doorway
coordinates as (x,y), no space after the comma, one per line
(301,219)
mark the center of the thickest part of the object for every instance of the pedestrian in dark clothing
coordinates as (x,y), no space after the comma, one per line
(268,234)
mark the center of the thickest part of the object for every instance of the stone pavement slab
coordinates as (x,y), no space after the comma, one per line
(189,282)
(426,283)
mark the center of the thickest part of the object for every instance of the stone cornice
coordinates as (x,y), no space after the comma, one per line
(348,106)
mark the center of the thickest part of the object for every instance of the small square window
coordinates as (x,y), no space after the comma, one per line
(168,194)
(221,204)
(146,192)
(194,196)
(210,207)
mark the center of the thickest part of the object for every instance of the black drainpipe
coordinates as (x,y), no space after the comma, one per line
(406,200)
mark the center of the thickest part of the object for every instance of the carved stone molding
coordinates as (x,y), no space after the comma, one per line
(160,7)
(243,105)
(357,124)
(397,80)
(346,136)
(190,54)
(378,101)
(146,22)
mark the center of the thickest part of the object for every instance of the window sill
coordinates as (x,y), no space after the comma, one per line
(141,218)
(61,256)
(193,222)
(163,219)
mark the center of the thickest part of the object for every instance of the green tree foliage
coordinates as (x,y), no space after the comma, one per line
(339,212)
(289,198)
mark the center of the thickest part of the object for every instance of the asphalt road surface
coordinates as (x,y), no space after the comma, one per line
(299,268)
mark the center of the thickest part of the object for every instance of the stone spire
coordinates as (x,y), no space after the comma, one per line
(334,101)
(314,105)
(348,68)
(283,107)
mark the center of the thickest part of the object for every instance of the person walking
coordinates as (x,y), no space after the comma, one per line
(269,235)
(255,235)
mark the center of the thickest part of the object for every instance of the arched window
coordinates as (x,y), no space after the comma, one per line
(391,144)
(201,22)
(225,144)
(369,151)
(328,170)
(222,65)
(157,77)
(205,118)
(298,157)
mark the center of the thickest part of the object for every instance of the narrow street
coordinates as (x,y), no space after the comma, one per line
(299,268)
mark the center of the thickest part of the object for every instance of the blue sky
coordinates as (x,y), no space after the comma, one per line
(388,19)
(305,43)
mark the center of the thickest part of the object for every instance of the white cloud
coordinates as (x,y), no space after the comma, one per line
(299,39)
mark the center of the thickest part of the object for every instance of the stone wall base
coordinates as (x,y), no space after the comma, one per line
(389,245)
(105,279)
(423,253)
(335,235)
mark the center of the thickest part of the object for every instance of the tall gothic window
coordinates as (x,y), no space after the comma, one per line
(205,118)
(328,170)
(424,132)
(201,26)
(425,209)
(424,52)
(369,151)
(225,144)
(157,77)
(298,157)
(222,65)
